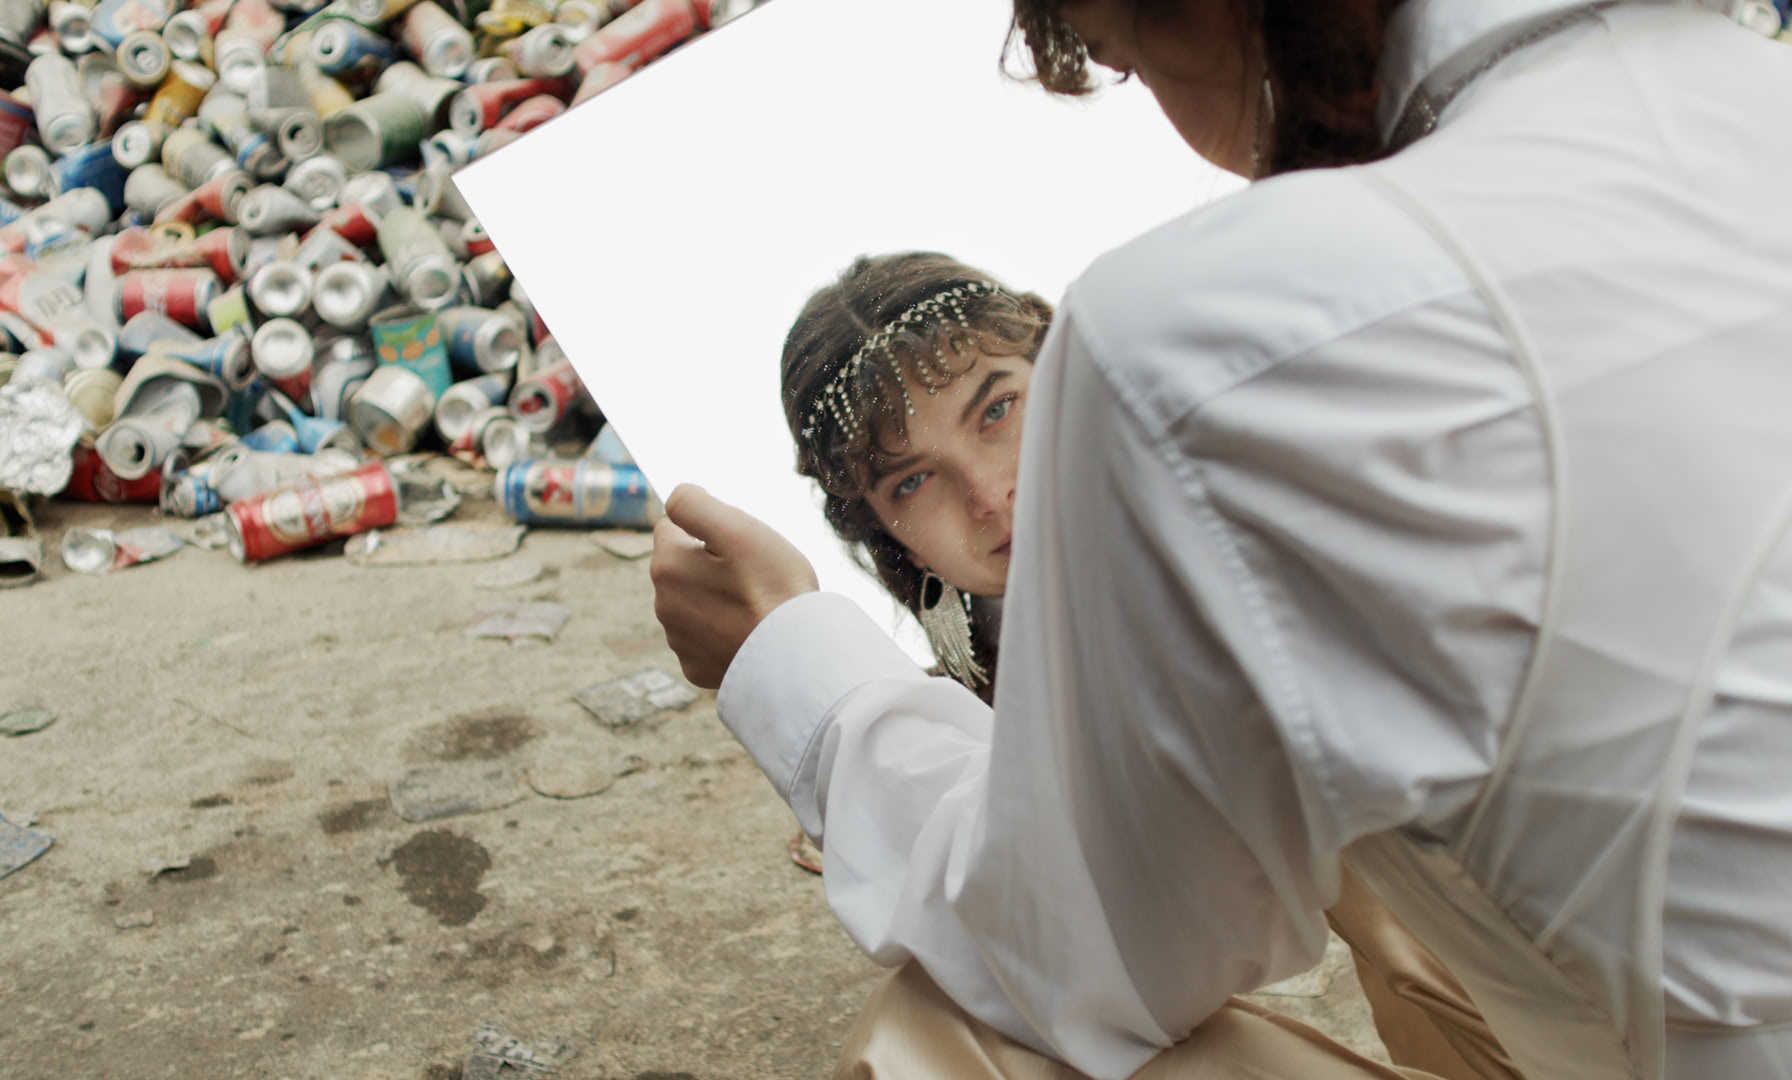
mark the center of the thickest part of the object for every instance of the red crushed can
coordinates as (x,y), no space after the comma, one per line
(311,512)
(642,33)
(94,482)
(181,294)
(542,400)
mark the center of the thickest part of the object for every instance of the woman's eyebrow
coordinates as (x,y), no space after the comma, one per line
(982,392)
(882,467)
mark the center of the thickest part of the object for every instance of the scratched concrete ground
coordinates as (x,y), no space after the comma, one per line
(246,723)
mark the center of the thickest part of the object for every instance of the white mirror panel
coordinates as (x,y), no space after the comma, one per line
(670,229)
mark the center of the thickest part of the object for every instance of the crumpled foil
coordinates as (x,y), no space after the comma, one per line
(38,433)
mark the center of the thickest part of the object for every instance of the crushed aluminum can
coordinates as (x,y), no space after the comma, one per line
(270,209)
(642,34)
(409,336)
(144,59)
(377,131)
(346,50)
(432,93)
(422,267)
(348,362)
(64,119)
(464,400)
(312,512)
(39,430)
(282,352)
(225,357)
(545,397)
(180,294)
(318,180)
(481,106)
(531,114)
(480,339)
(581,492)
(273,437)
(390,409)
(544,52)
(346,294)
(100,551)
(281,289)
(186,493)
(437,41)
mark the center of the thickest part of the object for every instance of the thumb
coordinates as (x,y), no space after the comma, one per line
(722,528)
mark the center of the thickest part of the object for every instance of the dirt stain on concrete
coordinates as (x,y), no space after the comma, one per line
(440,871)
(199,868)
(484,737)
(351,817)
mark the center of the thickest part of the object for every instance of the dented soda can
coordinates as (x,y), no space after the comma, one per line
(432,93)
(322,248)
(16,122)
(92,166)
(186,493)
(377,131)
(641,34)
(347,364)
(149,330)
(99,551)
(28,172)
(73,26)
(438,42)
(139,143)
(269,209)
(488,280)
(311,512)
(346,50)
(149,188)
(228,309)
(297,130)
(483,105)
(113,20)
(409,335)
(490,69)
(280,289)
(225,357)
(544,52)
(144,60)
(423,269)
(180,294)
(390,409)
(282,351)
(346,294)
(493,437)
(466,399)
(190,155)
(531,113)
(543,399)
(585,492)
(273,437)
(480,339)
(178,98)
(189,33)
(318,180)
(64,119)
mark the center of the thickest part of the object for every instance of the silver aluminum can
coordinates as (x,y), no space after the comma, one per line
(391,409)
(479,339)
(297,130)
(138,143)
(376,131)
(192,156)
(346,294)
(72,26)
(281,289)
(438,197)
(64,118)
(271,209)
(282,350)
(545,52)
(580,18)
(28,173)
(423,269)
(19,18)
(442,45)
(144,59)
(239,58)
(149,188)
(432,93)
(319,181)
(323,247)
(187,34)
(342,372)
(465,400)
(488,281)
(375,192)
(491,69)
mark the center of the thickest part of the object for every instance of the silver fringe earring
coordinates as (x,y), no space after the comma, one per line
(949,630)
(1266,104)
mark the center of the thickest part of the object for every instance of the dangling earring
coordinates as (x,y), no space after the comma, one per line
(1266,104)
(949,630)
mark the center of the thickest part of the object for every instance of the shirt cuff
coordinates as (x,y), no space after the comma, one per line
(789,675)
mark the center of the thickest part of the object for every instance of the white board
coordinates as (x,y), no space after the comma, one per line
(670,229)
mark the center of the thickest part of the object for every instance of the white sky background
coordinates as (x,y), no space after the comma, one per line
(670,229)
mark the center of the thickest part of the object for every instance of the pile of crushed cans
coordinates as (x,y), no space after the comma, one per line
(235,273)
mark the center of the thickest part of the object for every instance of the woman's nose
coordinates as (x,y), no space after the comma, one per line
(991,492)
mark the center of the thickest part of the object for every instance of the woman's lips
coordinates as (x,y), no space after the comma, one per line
(1002,548)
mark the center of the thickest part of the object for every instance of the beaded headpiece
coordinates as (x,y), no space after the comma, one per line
(834,399)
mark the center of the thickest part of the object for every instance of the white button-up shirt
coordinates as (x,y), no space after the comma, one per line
(1276,450)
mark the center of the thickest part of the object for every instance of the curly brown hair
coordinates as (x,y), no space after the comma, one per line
(836,321)
(1321,61)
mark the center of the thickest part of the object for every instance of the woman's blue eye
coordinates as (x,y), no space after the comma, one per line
(908,485)
(998,410)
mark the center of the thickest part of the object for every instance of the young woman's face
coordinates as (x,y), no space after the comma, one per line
(946,491)
(1197,59)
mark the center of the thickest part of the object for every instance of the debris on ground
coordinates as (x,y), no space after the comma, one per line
(498,1055)
(454,542)
(624,543)
(24,721)
(429,792)
(531,624)
(20,845)
(633,698)
(578,774)
(134,920)
(100,551)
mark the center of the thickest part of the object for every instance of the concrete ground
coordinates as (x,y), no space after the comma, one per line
(231,894)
